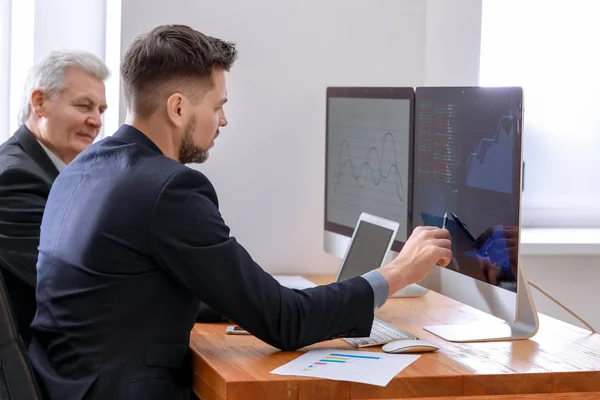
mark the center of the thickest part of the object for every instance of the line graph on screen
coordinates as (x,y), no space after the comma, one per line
(374,167)
(489,165)
(369,171)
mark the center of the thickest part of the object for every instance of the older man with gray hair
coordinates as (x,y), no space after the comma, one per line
(61,115)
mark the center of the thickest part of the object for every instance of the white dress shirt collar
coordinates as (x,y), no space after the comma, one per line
(58,163)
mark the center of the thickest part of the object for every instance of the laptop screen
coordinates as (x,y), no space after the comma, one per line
(367,250)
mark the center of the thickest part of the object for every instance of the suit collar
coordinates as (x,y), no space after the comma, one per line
(130,134)
(58,163)
(31,146)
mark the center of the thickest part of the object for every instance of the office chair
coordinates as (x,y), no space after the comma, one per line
(17,381)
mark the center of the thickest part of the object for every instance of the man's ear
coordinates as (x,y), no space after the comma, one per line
(37,100)
(175,109)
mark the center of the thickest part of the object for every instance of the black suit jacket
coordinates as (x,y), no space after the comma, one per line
(130,240)
(26,175)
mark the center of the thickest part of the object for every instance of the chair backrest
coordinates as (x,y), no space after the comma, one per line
(17,381)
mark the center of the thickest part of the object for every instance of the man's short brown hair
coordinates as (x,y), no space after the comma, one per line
(169,59)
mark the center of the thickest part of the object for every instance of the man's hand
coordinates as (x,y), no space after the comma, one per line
(426,247)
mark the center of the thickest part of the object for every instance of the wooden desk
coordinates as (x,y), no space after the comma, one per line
(561,362)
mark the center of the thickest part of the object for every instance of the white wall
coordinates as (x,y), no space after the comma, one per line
(268,164)
(453,42)
(571,280)
(21,55)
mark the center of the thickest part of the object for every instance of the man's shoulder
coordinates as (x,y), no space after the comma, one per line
(137,167)
(14,160)
(137,159)
(12,154)
(9,146)
(182,176)
(184,182)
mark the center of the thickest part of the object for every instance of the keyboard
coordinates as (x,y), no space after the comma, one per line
(381,333)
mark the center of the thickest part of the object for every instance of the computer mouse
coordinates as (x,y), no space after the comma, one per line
(405,346)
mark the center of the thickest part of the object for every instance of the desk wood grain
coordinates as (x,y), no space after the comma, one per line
(561,362)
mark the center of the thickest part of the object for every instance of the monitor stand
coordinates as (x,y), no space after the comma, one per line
(413,290)
(525,326)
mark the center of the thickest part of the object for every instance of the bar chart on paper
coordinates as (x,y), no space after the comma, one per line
(349,365)
(339,358)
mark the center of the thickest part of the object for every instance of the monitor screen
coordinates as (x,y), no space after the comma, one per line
(468,165)
(367,250)
(368,157)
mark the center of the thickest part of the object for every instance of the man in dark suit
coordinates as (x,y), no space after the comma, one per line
(132,239)
(60,116)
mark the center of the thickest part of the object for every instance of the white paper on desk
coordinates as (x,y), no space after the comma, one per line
(294,281)
(374,368)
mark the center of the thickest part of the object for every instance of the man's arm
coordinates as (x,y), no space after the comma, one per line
(380,286)
(207,314)
(192,243)
(23,197)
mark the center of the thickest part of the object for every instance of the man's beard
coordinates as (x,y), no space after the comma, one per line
(189,152)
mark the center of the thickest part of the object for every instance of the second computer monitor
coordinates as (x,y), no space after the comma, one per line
(468,165)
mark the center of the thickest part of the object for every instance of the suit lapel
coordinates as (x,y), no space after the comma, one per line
(31,146)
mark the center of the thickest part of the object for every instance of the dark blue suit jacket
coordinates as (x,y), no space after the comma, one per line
(130,242)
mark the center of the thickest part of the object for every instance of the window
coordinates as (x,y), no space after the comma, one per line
(550,49)
(21,56)
(30,28)
(113,61)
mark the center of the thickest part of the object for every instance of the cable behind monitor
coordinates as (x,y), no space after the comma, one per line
(563,306)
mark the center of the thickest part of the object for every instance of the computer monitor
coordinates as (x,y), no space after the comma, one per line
(468,165)
(368,160)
